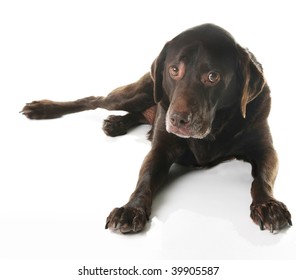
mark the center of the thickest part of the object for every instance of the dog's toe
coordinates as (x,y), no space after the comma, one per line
(43,109)
(272,215)
(114,126)
(126,219)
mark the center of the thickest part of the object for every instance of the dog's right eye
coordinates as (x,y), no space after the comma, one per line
(174,71)
(177,72)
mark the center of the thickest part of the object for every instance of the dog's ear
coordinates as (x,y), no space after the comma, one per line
(157,68)
(252,78)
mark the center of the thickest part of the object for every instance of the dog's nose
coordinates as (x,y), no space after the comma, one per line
(180,119)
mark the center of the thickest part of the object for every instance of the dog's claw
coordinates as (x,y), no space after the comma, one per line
(261,224)
(127,219)
(272,215)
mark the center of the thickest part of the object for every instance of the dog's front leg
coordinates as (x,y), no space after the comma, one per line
(166,148)
(266,211)
(133,216)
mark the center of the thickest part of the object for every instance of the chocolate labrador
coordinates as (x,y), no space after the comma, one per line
(208,102)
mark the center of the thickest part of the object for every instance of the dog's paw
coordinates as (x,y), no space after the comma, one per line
(272,215)
(114,126)
(127,219)
(43,109)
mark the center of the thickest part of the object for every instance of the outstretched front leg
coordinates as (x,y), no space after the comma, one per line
(266,211)
(133,216)
(134,98)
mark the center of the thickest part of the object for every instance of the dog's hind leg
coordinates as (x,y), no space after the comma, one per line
(133,98)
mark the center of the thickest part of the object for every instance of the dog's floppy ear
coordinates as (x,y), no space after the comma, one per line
(252,78)
(157,68)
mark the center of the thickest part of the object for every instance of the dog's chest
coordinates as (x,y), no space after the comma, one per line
(205,152)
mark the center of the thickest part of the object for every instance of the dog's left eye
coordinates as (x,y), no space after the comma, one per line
(213,77)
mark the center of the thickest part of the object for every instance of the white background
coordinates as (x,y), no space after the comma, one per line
(61,178)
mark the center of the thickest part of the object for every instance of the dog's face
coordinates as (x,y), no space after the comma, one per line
(198,80)
(199,72)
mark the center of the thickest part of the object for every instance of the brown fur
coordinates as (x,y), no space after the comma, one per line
(212,105)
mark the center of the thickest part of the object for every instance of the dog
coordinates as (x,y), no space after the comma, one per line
(207,101)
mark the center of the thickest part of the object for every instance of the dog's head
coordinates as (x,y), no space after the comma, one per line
(199,72)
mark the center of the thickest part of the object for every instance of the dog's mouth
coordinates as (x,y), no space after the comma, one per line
(188,129)
(188,133)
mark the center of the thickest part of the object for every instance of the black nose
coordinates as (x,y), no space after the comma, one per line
(180,119)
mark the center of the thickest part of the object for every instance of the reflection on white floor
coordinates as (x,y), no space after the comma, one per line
(65,176)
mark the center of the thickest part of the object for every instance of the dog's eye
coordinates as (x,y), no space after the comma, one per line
(211,78)
(174,71)
(214,77)
(177,72)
